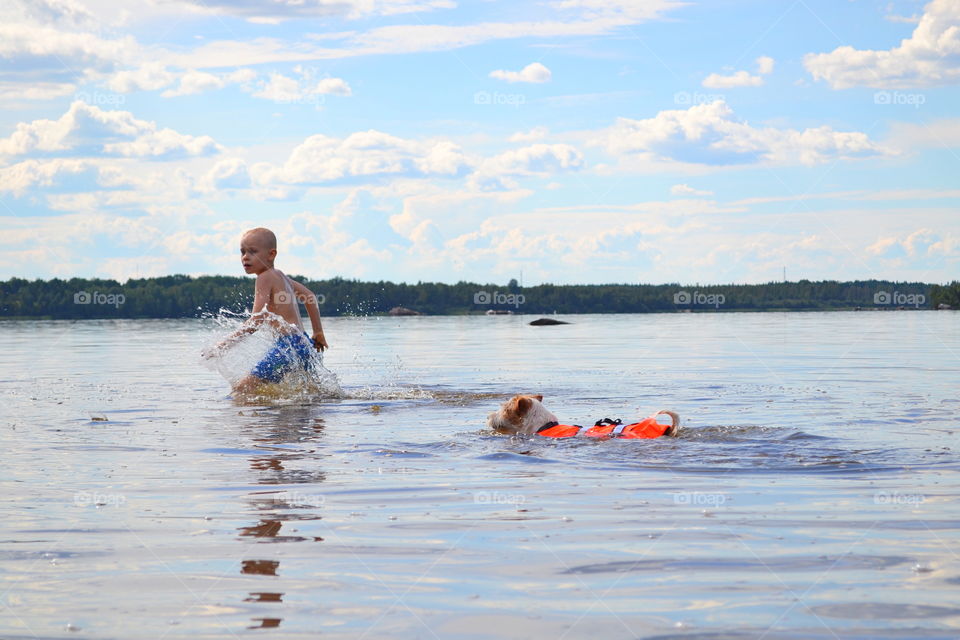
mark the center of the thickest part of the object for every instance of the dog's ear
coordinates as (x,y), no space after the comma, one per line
(523,405)
(539,397)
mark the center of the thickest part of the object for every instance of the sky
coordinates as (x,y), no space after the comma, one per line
(561,141)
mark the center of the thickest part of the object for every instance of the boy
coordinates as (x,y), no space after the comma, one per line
(275,293)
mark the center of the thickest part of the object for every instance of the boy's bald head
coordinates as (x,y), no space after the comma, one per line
(264,237)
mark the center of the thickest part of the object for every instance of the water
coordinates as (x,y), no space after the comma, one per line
(236,349)
(812,493)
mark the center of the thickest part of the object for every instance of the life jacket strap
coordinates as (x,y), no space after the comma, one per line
(549,425)
(605,421)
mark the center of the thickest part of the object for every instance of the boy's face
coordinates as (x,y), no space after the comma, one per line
(254,255)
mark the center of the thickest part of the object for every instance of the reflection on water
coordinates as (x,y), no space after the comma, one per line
(260,567)
(266,623)
(282,430)
(813,492)
(265,597)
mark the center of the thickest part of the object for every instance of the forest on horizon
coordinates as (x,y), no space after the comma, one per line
(181,296)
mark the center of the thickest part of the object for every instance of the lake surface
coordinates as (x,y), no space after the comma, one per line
(813,491)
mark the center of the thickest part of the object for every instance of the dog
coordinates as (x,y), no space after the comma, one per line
(525,415)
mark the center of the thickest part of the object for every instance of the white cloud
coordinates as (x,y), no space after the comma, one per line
(365,155)
(882,246)
(499,237)
(38,51)
(429,210)
(148,77)
(278,11)
(537,133)
(56,43)
(193,82)
(908,194)
(741,78)
(738,79)
(65,13)
(153,76)
(929,57)
(533,73)
(539,160)
(687,190)
(74,174)
(163,144)
(943,133)
(616,9)
(283,89)
(709,135)
(280,88)
(873,194)
(88,130)
(374,157)
(765,65)
(122,269)
(315,244)
(920,243)
(576,18)
(35,90)
(892,17)
(229,173)
(53,41)
(333,86)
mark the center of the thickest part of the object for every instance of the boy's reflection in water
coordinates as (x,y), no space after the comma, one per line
(285,426)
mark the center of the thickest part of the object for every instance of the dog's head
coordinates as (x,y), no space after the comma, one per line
(520,415)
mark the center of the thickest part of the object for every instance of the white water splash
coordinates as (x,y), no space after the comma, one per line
(235,361)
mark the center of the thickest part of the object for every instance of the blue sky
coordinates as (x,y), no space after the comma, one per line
(570,141)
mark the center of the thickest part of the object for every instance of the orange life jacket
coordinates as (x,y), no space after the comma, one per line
(646,428)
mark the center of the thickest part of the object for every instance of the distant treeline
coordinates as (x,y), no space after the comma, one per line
(182,296)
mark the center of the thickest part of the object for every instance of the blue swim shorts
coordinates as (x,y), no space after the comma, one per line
(290,352)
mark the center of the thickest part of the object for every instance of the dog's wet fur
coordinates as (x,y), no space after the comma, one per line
(524,414)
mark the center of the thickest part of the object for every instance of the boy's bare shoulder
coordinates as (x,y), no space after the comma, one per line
(270,277)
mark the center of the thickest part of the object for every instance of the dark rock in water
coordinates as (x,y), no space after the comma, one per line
(403,311)
(546,322)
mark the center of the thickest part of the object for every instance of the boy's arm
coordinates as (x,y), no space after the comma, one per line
(313,310)
(261,297)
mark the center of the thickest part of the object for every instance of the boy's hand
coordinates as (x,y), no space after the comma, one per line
(319,341)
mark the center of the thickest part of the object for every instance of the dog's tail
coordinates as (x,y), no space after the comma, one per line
(674,427)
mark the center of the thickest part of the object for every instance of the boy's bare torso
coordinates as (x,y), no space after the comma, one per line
(281,300)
